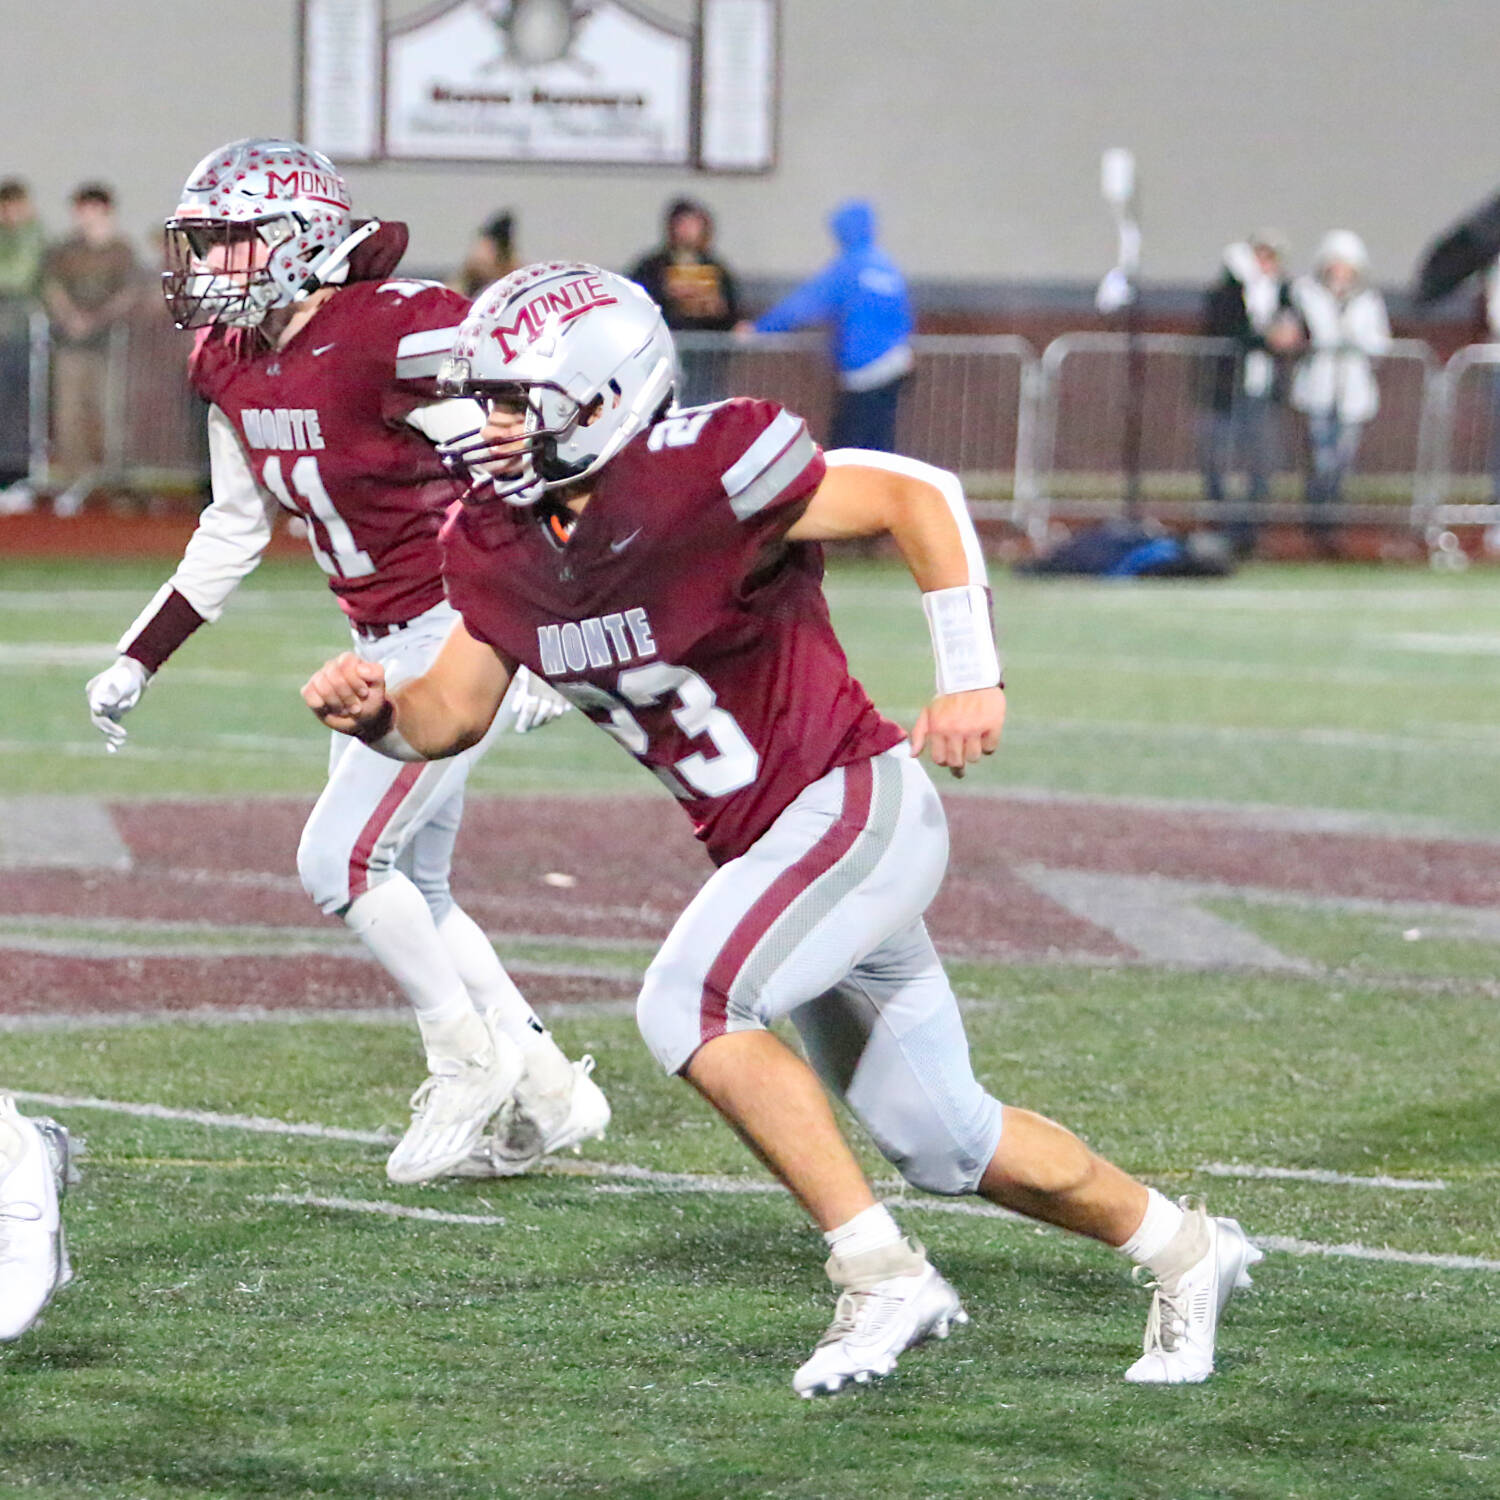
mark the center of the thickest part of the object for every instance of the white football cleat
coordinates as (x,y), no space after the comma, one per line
(449,1112)
(541,1120)
(33,1258)
(1184,1316)
(891,1300)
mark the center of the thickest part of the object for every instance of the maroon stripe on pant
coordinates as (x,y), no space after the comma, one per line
(859,783)
(380,819)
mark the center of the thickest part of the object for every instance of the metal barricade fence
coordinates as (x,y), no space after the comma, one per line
(1030,437)
(154,429)
(38,403)
(15,386)
(156,434)
(1091,381)
(1464,484)
(967,405)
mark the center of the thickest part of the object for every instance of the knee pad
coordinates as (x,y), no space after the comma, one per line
(669,1013)
(324,872)
(949,1174)
(944,1153)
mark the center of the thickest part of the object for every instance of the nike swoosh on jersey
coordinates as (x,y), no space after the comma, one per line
(324,348)
(624,541)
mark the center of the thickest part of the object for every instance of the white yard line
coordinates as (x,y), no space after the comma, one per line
(256,1124)
(625,1178)
(1474,739)
(213,750)
(1321,1174)
(241,1015)
(1272,816)
(76,601)
(375,1206)
(1282,1245)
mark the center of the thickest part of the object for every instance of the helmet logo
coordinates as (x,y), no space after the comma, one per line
(303,182)
(556,306)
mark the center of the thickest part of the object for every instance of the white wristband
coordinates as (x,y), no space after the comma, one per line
(963,638)
(390,742)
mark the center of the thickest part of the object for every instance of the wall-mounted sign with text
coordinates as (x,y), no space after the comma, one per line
(596,81)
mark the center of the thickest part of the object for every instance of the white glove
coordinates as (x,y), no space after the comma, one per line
(112,694)
(533,702)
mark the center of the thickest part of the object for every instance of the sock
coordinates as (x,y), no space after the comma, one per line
(1156,1231)
(871,1229)
(463,1039)
(549,1074)
(392,920)
(490,988)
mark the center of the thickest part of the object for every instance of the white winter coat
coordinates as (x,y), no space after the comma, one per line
(1335,375)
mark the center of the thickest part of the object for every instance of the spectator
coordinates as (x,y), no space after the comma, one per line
(1335,383)
(1251,303)
(861,297)
(696,293)
(22,248)
(694,289)
(89,281)
(492,254)
(1491,301)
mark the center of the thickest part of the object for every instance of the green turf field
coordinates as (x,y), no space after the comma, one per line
(256,1316)
(1338,688)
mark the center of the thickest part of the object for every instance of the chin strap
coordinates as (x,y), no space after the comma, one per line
(336,260)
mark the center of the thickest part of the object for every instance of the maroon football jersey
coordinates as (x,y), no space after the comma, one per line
(678,618)
(322,423)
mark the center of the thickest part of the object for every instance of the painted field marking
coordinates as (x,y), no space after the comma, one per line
(257,1124)
(211,747)
(76,833)
(55,653)
(1286,1246)
(396,1013)
(73,601)
(1321,1174)
(1435,643)
(1476,739)
(1159,919)
(625,1178)
(375,1206)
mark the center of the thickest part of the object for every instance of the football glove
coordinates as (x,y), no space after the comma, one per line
(533,702)
(112,694)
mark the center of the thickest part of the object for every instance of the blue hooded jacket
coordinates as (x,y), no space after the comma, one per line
(859,294)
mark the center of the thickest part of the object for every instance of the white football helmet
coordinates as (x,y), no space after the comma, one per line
(260,224)
(585,352)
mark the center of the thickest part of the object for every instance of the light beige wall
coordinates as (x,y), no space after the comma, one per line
(975,124)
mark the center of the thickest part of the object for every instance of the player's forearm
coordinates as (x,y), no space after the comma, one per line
(928,518)
(928,527)
(429,722)
(942,551)
(231,535)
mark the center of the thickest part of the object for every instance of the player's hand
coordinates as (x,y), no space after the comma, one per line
(112,694)
(534,701)
(957,728)
(347,693)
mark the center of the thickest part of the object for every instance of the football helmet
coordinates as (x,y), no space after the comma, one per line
(259,225)
(586,357)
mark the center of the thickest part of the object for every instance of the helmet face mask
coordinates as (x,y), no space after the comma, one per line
(219,272)
(581,356)
(521,465)
(258,225)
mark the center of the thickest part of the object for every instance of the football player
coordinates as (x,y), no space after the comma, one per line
(318,364)
(34,1171)
(662,569)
